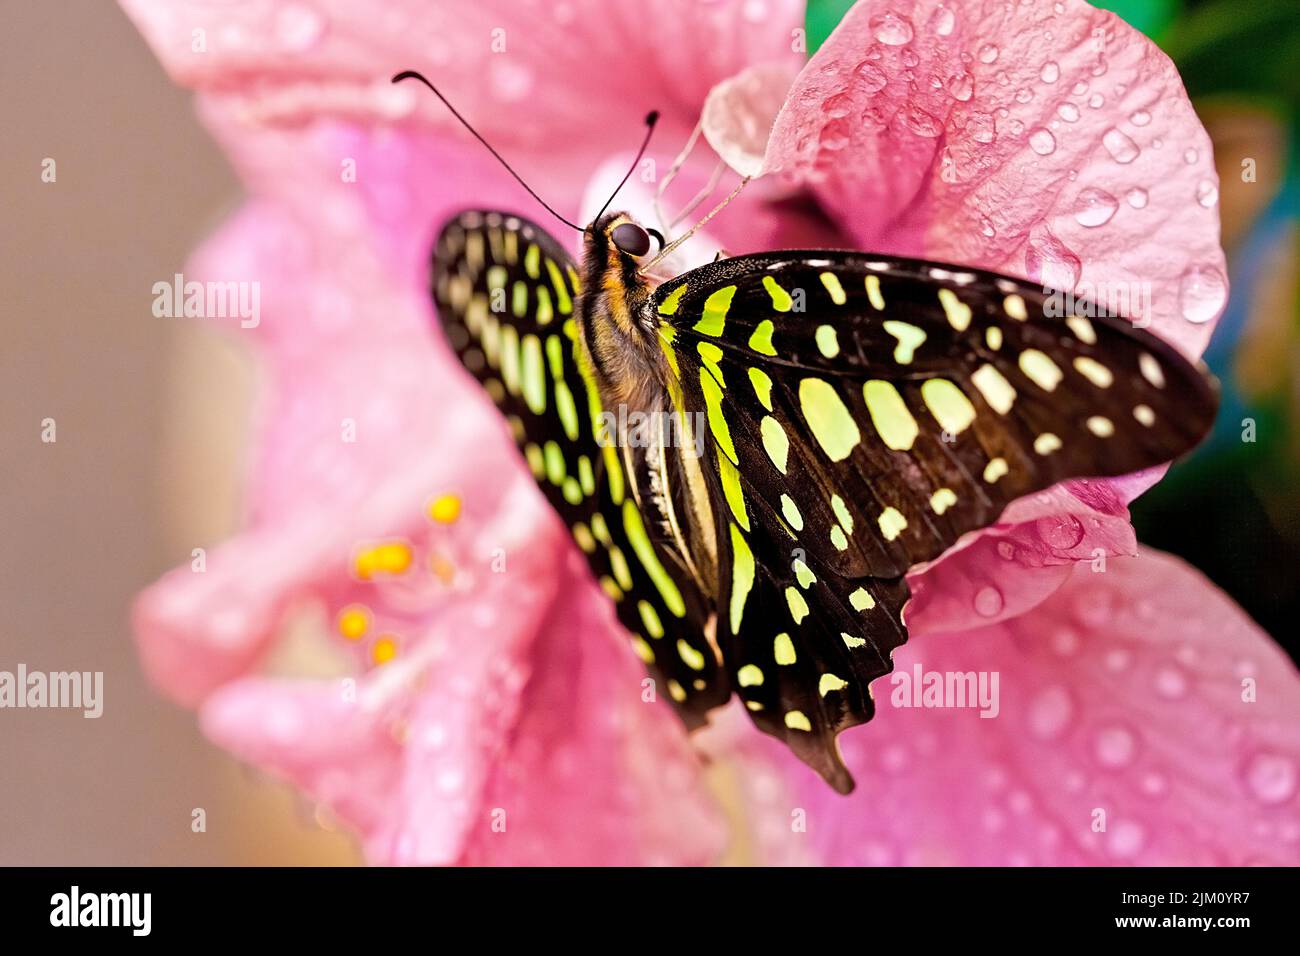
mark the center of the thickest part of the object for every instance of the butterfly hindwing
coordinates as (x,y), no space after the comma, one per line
(866,413)
(506,292)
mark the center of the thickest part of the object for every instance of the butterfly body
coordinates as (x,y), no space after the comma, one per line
(752,455)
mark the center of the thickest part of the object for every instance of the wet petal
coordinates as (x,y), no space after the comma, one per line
(1049,145)
(1141,719)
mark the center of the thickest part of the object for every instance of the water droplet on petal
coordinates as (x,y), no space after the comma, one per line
(988,601)
(1140,118)
(1190,156)
(1118,660)
(988,53)
(1121,148)
(891,28)
(1154,784)
(961,86)
(942,21)
(981,128)
(910,59)
(1050,72)
(840,104)
(1094,207)
(395,100)
(920,122)
(1114,746)
(1271,777)
(835,135)
(1201,293)
(1050,713)
(1137,197)
(1049,261)
(1125,839)
(1065,642)
(1080,88)
(986,227)
(873,116)
(871,77)
(299,27)
(1068,112)
(1099,67)
(1062,531)
(1016,127)
(510,81)
(1042,142)
(1171,682)
(1096,101)
(1207,194)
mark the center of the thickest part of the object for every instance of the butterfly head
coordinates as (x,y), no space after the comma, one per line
(613,318)
(621,235)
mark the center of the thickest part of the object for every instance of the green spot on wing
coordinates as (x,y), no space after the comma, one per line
(634,528)
(761,340)
(829,420)
(742,577)
(717,421)
(716,307)
(762,386)
(781,300)
(669,305)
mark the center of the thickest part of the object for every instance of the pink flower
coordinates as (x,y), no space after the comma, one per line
(487,709)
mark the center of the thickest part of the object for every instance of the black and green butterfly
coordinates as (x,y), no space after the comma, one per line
(859,413)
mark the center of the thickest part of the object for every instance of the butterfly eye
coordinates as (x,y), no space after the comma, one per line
(631,239)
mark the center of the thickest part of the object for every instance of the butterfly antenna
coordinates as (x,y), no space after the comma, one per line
(651,118)
(413,75)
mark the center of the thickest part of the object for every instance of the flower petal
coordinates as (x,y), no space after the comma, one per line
(1141,719)
(1045,140)
(739,113)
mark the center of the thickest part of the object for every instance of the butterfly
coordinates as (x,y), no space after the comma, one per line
(752,455)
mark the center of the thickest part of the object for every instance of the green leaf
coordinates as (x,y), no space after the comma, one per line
(1149,16)
(821,17)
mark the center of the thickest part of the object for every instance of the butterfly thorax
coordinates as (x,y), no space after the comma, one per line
(613,323)
(619,333)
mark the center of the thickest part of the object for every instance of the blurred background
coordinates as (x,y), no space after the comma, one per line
(150,413)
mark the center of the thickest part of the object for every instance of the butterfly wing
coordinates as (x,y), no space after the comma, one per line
(868,412)
(505,291)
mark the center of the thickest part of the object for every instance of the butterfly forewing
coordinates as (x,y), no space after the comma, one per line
(925,398)
(506,292)
(865,414)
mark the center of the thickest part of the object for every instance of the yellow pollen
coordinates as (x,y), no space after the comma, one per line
(384,649)
(353,622)
(393,557)
(445,509)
